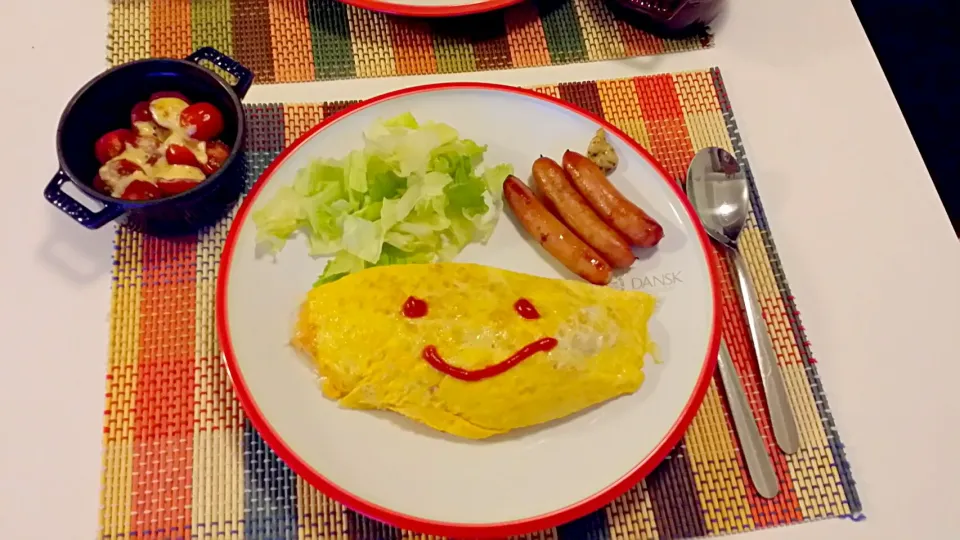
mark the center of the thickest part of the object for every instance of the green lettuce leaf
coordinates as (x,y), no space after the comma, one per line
(411,194)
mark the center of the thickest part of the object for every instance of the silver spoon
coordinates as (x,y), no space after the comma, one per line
(717,188)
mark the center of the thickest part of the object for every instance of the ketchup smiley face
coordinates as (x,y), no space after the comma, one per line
(415,308)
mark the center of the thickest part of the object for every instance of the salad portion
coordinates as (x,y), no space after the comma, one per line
(170,147)
(413,194)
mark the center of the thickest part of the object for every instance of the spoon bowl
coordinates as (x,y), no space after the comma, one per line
(717,188)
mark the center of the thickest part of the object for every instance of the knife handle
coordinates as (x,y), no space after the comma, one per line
(755,453)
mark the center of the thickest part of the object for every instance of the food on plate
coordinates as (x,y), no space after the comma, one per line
(615,209)
(566,202)
(603,224)
(471,350)
(601,152)
(170,148)
(412,194)
(553,235)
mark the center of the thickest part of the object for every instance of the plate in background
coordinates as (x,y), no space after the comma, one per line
(432,8)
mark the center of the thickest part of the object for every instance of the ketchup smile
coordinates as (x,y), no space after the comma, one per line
(415,308)
(433,358)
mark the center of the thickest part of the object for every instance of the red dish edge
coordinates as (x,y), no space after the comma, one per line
(524,526)
(431,11)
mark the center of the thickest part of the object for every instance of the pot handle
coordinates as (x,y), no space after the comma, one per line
(71,207)
(244,76)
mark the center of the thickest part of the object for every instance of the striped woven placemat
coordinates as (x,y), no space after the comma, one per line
(305,40)
(180,460)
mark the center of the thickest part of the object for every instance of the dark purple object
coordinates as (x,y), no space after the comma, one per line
(670,18)
(104,104)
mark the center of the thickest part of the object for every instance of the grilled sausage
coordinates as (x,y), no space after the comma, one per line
(612,207)
(554,185)
(553,235)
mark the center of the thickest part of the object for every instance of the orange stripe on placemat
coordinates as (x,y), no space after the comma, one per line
(413,47)
(291,44)
(637,42)
(297,119)
(663,118)
(528,43)
(170,28)
(163,437)
(550,90)
(619,100)
(784,508)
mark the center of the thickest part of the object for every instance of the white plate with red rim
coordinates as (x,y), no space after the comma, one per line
(432,8)
(511,484)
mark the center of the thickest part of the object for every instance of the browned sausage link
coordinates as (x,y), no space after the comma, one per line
(612,207)
(552,182)
(554,236)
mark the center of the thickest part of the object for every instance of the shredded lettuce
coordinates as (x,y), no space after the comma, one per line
(412,194)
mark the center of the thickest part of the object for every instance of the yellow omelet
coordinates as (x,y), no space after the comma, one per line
(370,350)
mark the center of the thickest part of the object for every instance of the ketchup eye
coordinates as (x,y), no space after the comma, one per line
(525,309)
(414,308)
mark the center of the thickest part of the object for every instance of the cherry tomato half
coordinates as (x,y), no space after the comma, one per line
(181,155)
(100,185)
(141,113)
(217,153)
(140,190)
(113,144)
(203,121)
(168,93)
(172,187)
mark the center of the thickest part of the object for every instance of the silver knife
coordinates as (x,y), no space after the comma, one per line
(759,464)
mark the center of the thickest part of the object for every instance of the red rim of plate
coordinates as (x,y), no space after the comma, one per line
(517,527)
(431,11)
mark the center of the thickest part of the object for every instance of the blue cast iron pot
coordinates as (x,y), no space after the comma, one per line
(104,104)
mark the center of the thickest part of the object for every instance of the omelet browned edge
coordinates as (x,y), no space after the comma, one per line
(303,332)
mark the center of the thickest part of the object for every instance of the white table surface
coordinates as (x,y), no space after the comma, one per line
(865,242)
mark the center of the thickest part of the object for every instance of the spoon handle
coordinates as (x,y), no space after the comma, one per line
(754,450)
(781,412)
